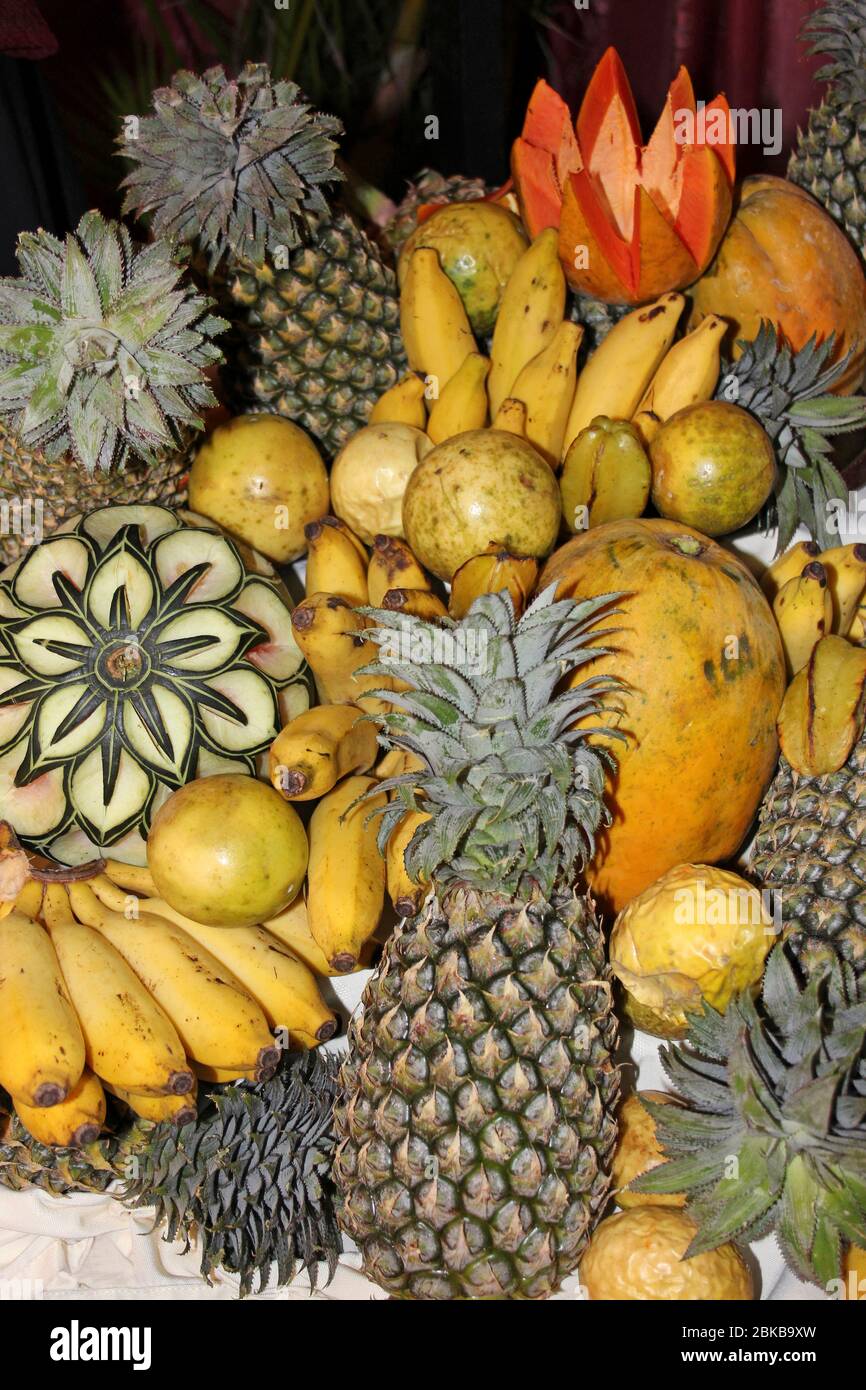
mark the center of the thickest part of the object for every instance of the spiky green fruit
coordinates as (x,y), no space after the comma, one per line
(103,355)
(238,168)
(773,1137)
(476,1116)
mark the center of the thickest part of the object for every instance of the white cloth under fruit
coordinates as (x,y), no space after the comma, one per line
(91,1247)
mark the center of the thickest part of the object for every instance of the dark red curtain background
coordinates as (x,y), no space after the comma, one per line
(747,49)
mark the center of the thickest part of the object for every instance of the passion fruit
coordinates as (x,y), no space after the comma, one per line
(696,933)
(370,475)
(476,488)
(227,851)
(478,245)
(638,1150)
(640,1256)
(713,467)
(262,479)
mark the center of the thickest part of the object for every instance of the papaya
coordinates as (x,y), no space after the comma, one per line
(700,657)
(635,220)
(784,259)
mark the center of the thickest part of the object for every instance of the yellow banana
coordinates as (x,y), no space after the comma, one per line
(128,1038)
(804,611)
(857,630)
(405,894)
(393,566)
(618,373)
(397,762)
(402,404)
(788,566)
(136,879)
(687,373)
(42,1050)
(335,565)
(489,573)
(462,403)
(531,310)
(292,928)
(511,416)
(224,1076)
(329,632)
(77,1120)
(179,1110)
(420,603)
(218,1022)
(284,986)
(29,900)
(319,747)
(546,386)
(346,874)
(846,576)
(435,329)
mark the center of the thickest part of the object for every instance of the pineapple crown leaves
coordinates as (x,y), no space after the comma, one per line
(102,347)
(250,1176)
(838,31)
(774,1133)
(514,789)
(790,393)
(235,167)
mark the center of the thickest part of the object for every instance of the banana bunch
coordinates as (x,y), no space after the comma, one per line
(105,987)
(815,594)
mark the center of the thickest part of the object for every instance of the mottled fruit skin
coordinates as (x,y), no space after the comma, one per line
(227,851)
(784,259)
(637,1256)
(480,487)
(263,479)
(697,933)
(475,1122)
(370,475)
(605,475)
(699,652)
(637,1150)
(713,467)
(854,1271)
(479,245)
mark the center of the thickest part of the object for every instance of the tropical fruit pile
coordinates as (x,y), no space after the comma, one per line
(507,750)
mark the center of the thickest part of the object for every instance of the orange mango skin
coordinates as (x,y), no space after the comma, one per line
(701,730)
(783,258)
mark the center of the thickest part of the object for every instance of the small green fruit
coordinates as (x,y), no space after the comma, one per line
(478,245)
(227,851)
(713,467)
(606,475)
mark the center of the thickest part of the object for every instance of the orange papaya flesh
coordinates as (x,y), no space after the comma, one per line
(537,189)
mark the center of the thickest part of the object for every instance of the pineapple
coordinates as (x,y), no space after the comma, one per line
(135,654)
(237,168)
(830,158)
(810,849)
(427,187)
(476,1115)
(790,394)
(103,351)
(774,1133)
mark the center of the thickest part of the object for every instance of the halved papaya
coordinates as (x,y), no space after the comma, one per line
(650,217)
(537,190)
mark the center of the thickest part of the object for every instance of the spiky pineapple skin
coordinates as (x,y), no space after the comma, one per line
(318,341)
(830,163)
(428,186)
(811,849)
(65,489)
(475,1120)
